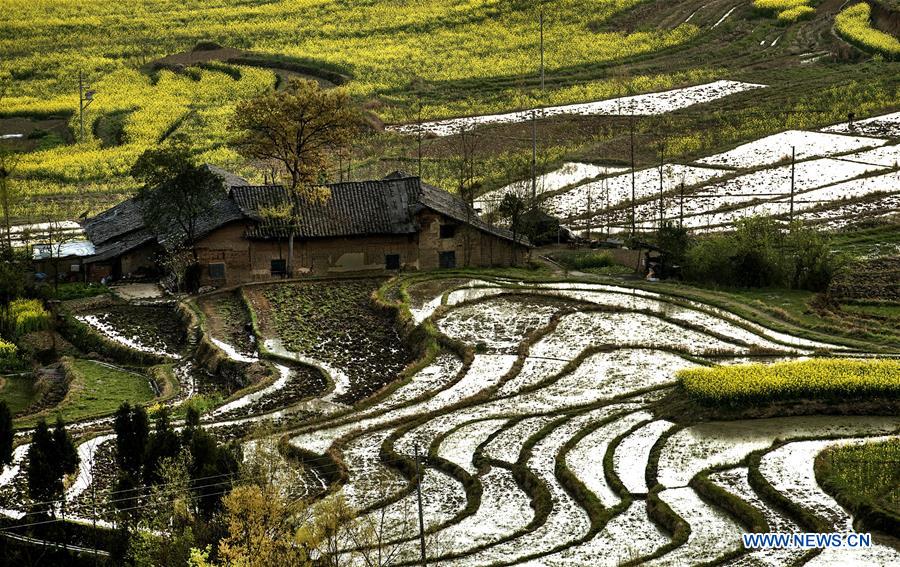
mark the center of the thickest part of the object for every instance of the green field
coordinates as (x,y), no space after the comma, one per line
(96,389)
(866,479)
(17,392)
(402,60)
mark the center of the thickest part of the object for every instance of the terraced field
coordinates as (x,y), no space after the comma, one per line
(842,175)
(542,441)
(542,426)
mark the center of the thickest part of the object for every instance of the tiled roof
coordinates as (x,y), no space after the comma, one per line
(386,206)
(359,208)
(121,228)
(115,222)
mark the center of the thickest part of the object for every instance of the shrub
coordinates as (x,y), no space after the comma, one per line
(777,5)
(760,254)
(817,378)
(584,260)
(787,11)
(27,316)
(7,352)
(75,290)
(853,25)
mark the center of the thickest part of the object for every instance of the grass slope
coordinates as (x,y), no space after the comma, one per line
(96,389)
(18,392)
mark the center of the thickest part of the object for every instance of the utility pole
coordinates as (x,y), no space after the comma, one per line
(419,496)
(81,102)
(662,151)
(534,120)
(608,214)
(793,158)
(681,207)
(419,136)
(94,507)
(542,48)
(589,211)
(533,158)
(631,132)
(85,98)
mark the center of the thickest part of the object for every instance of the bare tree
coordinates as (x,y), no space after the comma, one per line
(468,184)
(9,160)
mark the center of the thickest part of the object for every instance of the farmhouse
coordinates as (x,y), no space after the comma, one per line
(383,225)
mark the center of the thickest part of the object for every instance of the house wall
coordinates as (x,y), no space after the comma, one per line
(472,247)
(251,260)
(142,258)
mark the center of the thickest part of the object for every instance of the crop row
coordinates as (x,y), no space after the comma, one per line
(818,378)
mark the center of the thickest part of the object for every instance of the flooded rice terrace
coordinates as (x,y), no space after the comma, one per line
(545,443)
(546,449)
(151,327)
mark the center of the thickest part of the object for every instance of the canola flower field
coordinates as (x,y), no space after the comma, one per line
(854,24)
(384,47)
(816,378)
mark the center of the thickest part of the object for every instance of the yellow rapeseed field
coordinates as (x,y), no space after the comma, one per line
(853,24)
(816,378)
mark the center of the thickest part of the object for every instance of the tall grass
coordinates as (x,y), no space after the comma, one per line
(866,479)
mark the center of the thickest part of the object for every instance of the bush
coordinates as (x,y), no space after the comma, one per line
(796,14)
(818,379)
(585,260)
(76,290)
(27,316)
(761,254)
(778,5)
(8,353)
(853,25)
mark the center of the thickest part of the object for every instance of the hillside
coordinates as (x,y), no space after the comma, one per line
(453,59)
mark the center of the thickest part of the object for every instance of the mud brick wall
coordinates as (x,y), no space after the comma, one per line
(251,260)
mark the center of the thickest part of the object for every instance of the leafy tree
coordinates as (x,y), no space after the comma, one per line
(6,434)
(261,527)
(175,194)
(762,253)
(674,240)
(299,130)
(163,443)
(9,160)
(512,207)
(813,263)
(128,499)
(12,285)
(209,460)
(171,528)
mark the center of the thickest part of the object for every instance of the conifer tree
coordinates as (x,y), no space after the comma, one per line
(66,454)
(44,478)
